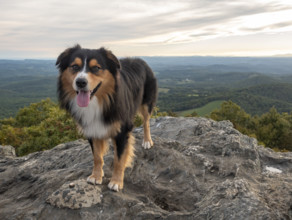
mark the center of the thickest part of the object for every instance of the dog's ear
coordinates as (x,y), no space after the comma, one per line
(112,60)
(112,57)
(63,59)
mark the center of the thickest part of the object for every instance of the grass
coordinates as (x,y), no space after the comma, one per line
(204,110)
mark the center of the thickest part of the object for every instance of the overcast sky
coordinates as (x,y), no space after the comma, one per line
(44,28)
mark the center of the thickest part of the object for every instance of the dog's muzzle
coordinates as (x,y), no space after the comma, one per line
(81,83)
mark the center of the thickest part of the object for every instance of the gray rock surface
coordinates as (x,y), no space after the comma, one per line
(75,195)
(7,151)
(198,169)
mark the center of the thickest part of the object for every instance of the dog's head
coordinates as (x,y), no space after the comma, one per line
(86,73)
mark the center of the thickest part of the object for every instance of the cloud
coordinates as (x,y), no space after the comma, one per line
(191,20)
(270,27)
(52,25)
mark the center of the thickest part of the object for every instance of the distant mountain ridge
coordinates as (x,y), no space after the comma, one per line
(190,82)
(268,65)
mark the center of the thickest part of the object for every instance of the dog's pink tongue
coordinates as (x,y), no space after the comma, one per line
(83,98)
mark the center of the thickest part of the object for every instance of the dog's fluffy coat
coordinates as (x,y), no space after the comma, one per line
(103,94)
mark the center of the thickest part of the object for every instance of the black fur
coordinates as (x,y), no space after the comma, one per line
(64,58)
(135,85)
(91,144)
(122,138)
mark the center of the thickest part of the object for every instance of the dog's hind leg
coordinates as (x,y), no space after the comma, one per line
(123,156)
(147,142)
(99,148)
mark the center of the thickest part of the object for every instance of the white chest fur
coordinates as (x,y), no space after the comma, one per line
(91,117)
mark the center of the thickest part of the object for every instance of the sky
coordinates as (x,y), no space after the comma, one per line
(42,29)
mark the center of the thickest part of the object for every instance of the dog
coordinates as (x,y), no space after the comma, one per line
(103,95)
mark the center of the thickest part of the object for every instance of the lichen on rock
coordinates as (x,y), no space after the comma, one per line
(75,195)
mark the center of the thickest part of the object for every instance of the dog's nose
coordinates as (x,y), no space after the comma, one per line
(81,83)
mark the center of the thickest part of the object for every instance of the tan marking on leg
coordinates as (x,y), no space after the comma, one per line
(117,180)
(115,129)
(99,149)
(147,142)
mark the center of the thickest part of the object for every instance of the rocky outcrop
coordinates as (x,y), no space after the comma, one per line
(7,151)
(198,169)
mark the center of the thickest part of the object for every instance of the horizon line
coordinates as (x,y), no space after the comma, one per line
(166,56)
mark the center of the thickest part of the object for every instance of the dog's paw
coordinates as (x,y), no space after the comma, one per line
(147,144)
(94,180)
(115,186)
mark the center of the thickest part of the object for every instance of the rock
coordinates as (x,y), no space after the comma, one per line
(7,151)
(198,169)
(76,195)
(71,185)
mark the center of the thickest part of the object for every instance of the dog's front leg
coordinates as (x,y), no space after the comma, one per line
(99,148)
(124,154)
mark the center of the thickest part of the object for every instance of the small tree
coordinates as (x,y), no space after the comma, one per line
(193,114)
(232,112)
(275,130)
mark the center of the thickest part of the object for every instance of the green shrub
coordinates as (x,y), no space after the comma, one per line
(38,127)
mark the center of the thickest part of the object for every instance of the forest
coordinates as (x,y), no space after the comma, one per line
(255,94)
(185,83)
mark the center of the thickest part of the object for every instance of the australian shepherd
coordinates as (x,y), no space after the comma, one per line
(103,94)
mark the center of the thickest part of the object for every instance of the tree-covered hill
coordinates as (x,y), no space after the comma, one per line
(23,68)
(279,91)
(257,100)
(255,80)
(17,93)
(256,84)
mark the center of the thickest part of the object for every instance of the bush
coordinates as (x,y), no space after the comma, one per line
(272,129)
(275,130)
(38,127)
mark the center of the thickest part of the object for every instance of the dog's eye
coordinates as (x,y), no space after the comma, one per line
(75,67)
(95,69)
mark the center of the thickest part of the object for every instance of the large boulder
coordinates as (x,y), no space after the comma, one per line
(198,169)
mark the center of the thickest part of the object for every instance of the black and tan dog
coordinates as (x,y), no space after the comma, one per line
(103,94)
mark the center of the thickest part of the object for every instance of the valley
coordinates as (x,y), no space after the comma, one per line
(186,84)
